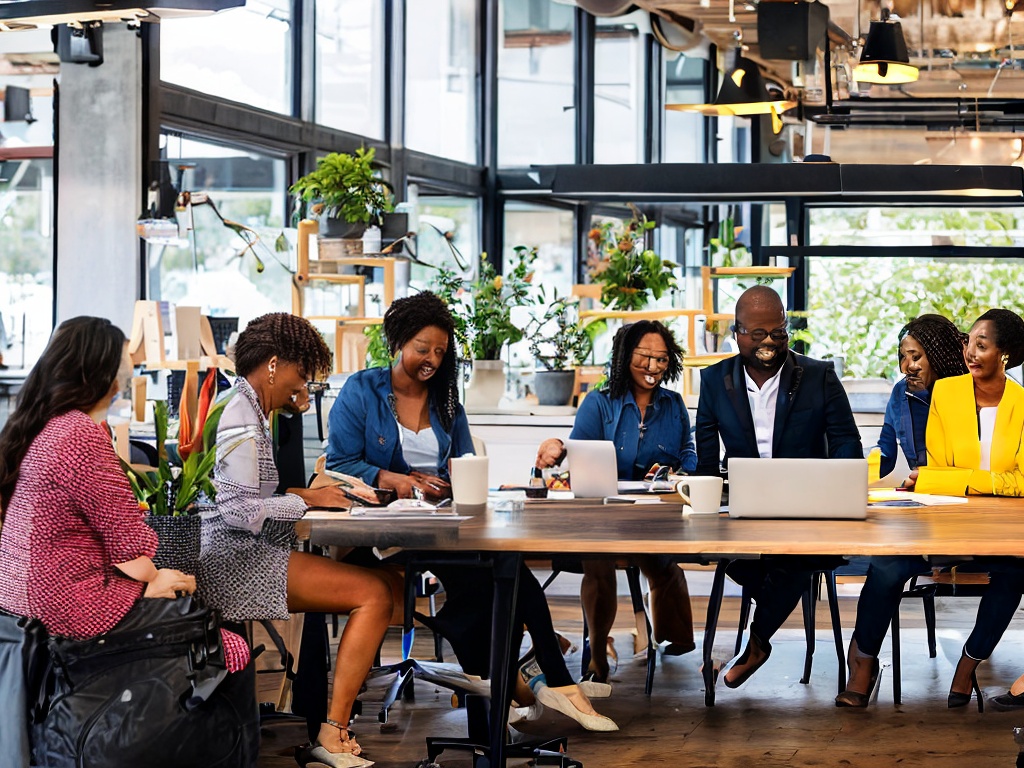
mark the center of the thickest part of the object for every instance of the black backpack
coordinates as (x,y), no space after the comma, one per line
(153,691)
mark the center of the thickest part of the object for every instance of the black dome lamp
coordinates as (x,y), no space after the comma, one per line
(884,59)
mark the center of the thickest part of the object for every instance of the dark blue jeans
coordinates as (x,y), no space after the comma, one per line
(880,598)
(998,604)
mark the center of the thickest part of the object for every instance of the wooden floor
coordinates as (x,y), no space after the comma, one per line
(772,720)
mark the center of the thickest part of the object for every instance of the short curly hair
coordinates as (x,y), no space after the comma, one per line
(407,317)
(626,340)
(293,339)
(942,342)
(1009,334)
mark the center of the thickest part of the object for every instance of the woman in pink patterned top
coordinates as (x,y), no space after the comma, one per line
(75,552)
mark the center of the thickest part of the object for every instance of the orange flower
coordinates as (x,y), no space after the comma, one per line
(528,278)
(595,235)
(626,245)
(316,209)
(497,283)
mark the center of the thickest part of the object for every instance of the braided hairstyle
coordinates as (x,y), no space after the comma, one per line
(1009,338)
(75,371)
(942,342)
(293,339)
(407,317)
(626,340)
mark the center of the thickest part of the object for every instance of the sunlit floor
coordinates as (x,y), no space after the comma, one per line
(773,720)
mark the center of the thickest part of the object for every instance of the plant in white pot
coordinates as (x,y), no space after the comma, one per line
(346,193)
(559,342)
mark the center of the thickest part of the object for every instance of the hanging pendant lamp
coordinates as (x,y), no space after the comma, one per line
(743,93)
(884,59)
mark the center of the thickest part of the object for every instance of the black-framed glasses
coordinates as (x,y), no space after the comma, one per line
(760,334)
(317,387)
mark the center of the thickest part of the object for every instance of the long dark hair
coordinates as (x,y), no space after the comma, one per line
(626,340)
(74,372)
(942,342)
(407,317)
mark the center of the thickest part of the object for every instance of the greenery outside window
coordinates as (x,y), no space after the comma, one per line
(350,66)
(242,54)
(441,78)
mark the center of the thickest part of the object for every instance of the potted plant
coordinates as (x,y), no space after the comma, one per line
(483,320)
(170,492)
(630,275)
(559,343)
(346,192)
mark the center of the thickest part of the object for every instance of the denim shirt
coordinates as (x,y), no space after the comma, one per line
(906,416)
(363,436)
(666,438)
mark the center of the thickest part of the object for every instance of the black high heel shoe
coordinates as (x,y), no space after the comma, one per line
(1007,701)
(745,675)
(956,699)
(856,699)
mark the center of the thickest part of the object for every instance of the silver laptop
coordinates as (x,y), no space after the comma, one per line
(823,489)
(593,471)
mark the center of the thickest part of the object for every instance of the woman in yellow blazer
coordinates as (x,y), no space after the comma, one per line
(975,443)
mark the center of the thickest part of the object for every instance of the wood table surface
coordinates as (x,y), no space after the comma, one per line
(982,526)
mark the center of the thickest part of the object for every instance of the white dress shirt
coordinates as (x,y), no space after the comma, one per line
(762,408)
(986,428)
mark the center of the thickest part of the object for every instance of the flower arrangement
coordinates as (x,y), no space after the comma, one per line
(557,338)
(629,274)
(483,324)
(173,486)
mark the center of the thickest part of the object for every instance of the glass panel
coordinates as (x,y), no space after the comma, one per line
(441,78)
(536,83)
(619,90)
(917,226)
(243,54)
(433,217)
(26,260)
(683,131)
(350,66)
(213,268)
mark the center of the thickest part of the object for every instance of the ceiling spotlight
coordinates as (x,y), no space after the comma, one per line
(884,59)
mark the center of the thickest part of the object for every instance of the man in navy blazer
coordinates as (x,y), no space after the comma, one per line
(769,402)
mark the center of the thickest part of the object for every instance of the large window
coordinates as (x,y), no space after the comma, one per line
(683,131)
(619,90)
(536,84)
(350,66)
(243,54)
(447,235)
(858,305)
(441,78)
(26,260)
(213,266)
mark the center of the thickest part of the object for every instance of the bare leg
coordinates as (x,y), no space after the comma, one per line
(598,596)
(317,584)
(670,603)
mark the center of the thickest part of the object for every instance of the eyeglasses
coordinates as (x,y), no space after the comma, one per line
(760,334)
(317,387)
(644,360)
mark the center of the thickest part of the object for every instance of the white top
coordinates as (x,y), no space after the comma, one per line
(986,426)
(762,408)
(420,449)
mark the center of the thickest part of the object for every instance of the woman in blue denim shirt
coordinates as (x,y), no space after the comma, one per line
(930,348)
(649,425)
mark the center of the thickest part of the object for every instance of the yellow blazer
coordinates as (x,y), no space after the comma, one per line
(954,449)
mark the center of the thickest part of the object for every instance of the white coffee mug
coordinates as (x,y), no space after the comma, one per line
(469,480)
(702,494)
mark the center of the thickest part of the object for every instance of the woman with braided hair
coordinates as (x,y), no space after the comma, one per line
(248,566)
(930,348)
(649,425)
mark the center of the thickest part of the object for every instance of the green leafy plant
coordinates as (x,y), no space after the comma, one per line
(629,275)
(557,338)
(483,314)
(347,187)
(377,354)
(726,250)
(174,485)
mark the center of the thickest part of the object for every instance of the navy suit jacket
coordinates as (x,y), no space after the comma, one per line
(813,419)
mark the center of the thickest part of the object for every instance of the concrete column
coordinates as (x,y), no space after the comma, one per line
(99,179)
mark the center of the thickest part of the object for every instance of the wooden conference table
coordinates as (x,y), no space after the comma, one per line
(982,526)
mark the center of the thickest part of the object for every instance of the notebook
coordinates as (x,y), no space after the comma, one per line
(593,471)
(823,489)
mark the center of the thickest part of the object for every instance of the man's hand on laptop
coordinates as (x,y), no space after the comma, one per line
(551,453)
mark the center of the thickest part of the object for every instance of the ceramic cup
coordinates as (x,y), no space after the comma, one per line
(702,494)
(469,480)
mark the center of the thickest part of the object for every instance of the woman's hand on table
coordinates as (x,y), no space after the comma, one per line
(333,496)
(550,453)
(432,487)
(415,485)
(170,583)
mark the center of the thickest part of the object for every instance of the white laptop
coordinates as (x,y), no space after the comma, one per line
(822,489)
(593,471)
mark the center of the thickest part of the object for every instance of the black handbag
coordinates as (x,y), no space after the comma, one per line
(153,691)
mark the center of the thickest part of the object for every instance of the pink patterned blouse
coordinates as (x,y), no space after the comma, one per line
(71,518)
